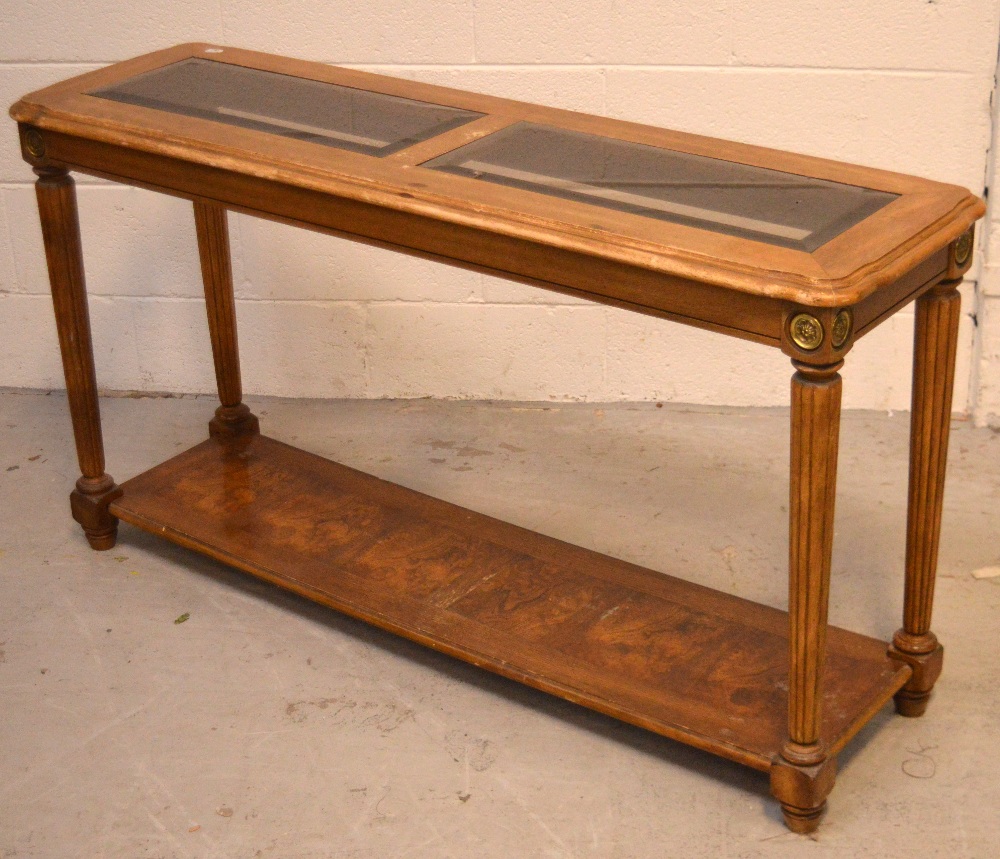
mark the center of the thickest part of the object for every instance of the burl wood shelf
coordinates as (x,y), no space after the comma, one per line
(679,659)
(788,251)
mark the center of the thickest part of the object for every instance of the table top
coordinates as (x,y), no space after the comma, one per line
(760,221)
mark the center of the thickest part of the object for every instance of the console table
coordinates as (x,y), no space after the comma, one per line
(792,252)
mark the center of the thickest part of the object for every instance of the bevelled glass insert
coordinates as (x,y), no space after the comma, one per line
(316,111)
(736,199)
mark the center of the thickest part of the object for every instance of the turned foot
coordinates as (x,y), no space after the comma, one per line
(802,790)
(232,421)
(926,657)
(803,820)
(89,504)
(911,704)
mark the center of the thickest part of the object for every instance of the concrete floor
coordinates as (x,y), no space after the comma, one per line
(266,726)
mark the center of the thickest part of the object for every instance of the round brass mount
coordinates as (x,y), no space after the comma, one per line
(841,328)
(806,331)
(963,248)
(34,144)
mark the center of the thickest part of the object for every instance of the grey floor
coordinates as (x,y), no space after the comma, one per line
(265,726)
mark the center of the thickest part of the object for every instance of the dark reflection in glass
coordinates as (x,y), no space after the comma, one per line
(319,112)
(722,196)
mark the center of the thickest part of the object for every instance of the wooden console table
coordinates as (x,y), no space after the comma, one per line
(797,253)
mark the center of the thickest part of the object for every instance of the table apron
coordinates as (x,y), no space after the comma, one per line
(757,318)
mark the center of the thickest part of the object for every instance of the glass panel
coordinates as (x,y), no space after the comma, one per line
(319,112)
(735,199)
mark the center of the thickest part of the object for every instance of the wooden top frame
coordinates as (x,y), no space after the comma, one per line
(737,285)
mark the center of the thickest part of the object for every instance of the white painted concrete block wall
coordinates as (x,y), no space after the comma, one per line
(986,354)
(902,84)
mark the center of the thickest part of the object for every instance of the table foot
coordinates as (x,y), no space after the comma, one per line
(912,699)
(231,421)
(803,820)
(802,790)
(89,503)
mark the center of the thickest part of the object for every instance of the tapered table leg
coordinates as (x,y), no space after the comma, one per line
(232,417)
(935,344)
(96,489)
(803,776)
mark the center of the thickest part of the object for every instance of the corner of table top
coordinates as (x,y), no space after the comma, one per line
(846,284)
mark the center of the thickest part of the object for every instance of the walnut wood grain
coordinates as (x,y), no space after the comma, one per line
(232,417)
(815,430)
(934,350)
(676,658)
(95,489)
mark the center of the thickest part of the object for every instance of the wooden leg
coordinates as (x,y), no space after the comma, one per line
(96,489)
(804,774)
(232,418)
(935,344)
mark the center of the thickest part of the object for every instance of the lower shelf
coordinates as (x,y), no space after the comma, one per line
(676,658)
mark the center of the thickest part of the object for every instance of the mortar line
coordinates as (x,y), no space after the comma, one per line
(682,67)
(530,66)
(366,302)
(475,37)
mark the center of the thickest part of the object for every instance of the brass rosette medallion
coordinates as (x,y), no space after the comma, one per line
(806,331)
(841,328)
(34,145)
(963,248)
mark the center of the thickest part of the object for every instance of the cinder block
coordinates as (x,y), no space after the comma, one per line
(16,81)
(102,30)
(170,337)
(987,237)
(893,34)
(656,359)
(570,89)
(497,290)
(988,389)
(302,348)
(295,349)
(135,242)
(376,31)
(282,262)
(8,272)
(877,119)
(990,244)
(878,371)
(898,34)
(602,32)
(964,399)
(989,280)
(29,347)
(485,351)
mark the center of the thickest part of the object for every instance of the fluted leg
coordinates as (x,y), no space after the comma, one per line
(803,776)
(96,489)
(935,344)
(232,417)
